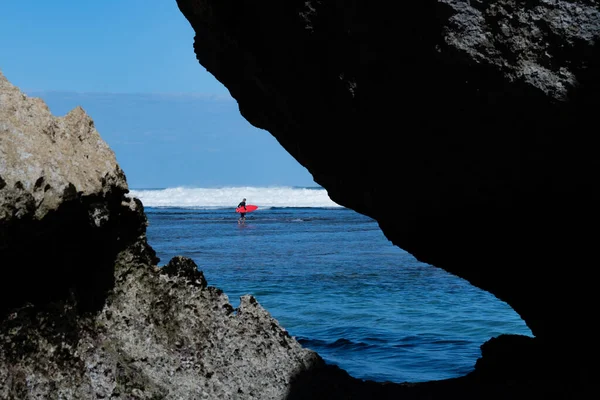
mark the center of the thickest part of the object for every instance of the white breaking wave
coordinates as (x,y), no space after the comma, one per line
(227,197)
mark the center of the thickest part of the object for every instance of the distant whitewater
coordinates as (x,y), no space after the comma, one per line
(229,197)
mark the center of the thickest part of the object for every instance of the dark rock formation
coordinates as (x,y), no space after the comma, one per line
(85,312)
(475,118)
(185,268)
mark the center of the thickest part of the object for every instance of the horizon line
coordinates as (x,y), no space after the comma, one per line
(166,94)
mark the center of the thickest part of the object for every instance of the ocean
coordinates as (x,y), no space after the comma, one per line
(331,279)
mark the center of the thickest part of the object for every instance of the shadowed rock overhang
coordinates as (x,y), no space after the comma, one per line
(475,119)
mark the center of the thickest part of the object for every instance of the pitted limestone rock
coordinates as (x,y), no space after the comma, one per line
(51,158)
(186,268)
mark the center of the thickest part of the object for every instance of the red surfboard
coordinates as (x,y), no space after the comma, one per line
(249,208)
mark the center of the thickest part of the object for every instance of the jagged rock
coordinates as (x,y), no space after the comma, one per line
(63,215)
(49,160)
(464,127)
(85,312)
(158,337)
(186,268)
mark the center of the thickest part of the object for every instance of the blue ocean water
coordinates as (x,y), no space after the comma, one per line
(331,279)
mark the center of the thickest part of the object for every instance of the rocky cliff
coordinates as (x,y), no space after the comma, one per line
(475,119)
(85,312)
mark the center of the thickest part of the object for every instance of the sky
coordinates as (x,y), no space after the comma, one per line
(130,64)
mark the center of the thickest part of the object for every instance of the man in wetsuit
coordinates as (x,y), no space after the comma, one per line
(242,218)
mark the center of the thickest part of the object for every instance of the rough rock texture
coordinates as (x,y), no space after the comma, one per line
(50,149)
(159,337)
(85,312)
(61,194)
(475,119)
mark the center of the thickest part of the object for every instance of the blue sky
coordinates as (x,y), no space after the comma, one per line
(108,57)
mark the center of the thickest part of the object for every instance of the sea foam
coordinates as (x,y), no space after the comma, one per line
(226,197)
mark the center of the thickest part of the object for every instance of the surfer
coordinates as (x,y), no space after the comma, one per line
(242,218)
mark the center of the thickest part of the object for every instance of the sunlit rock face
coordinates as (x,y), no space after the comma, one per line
(61,191)
(85,312)
(465,128)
